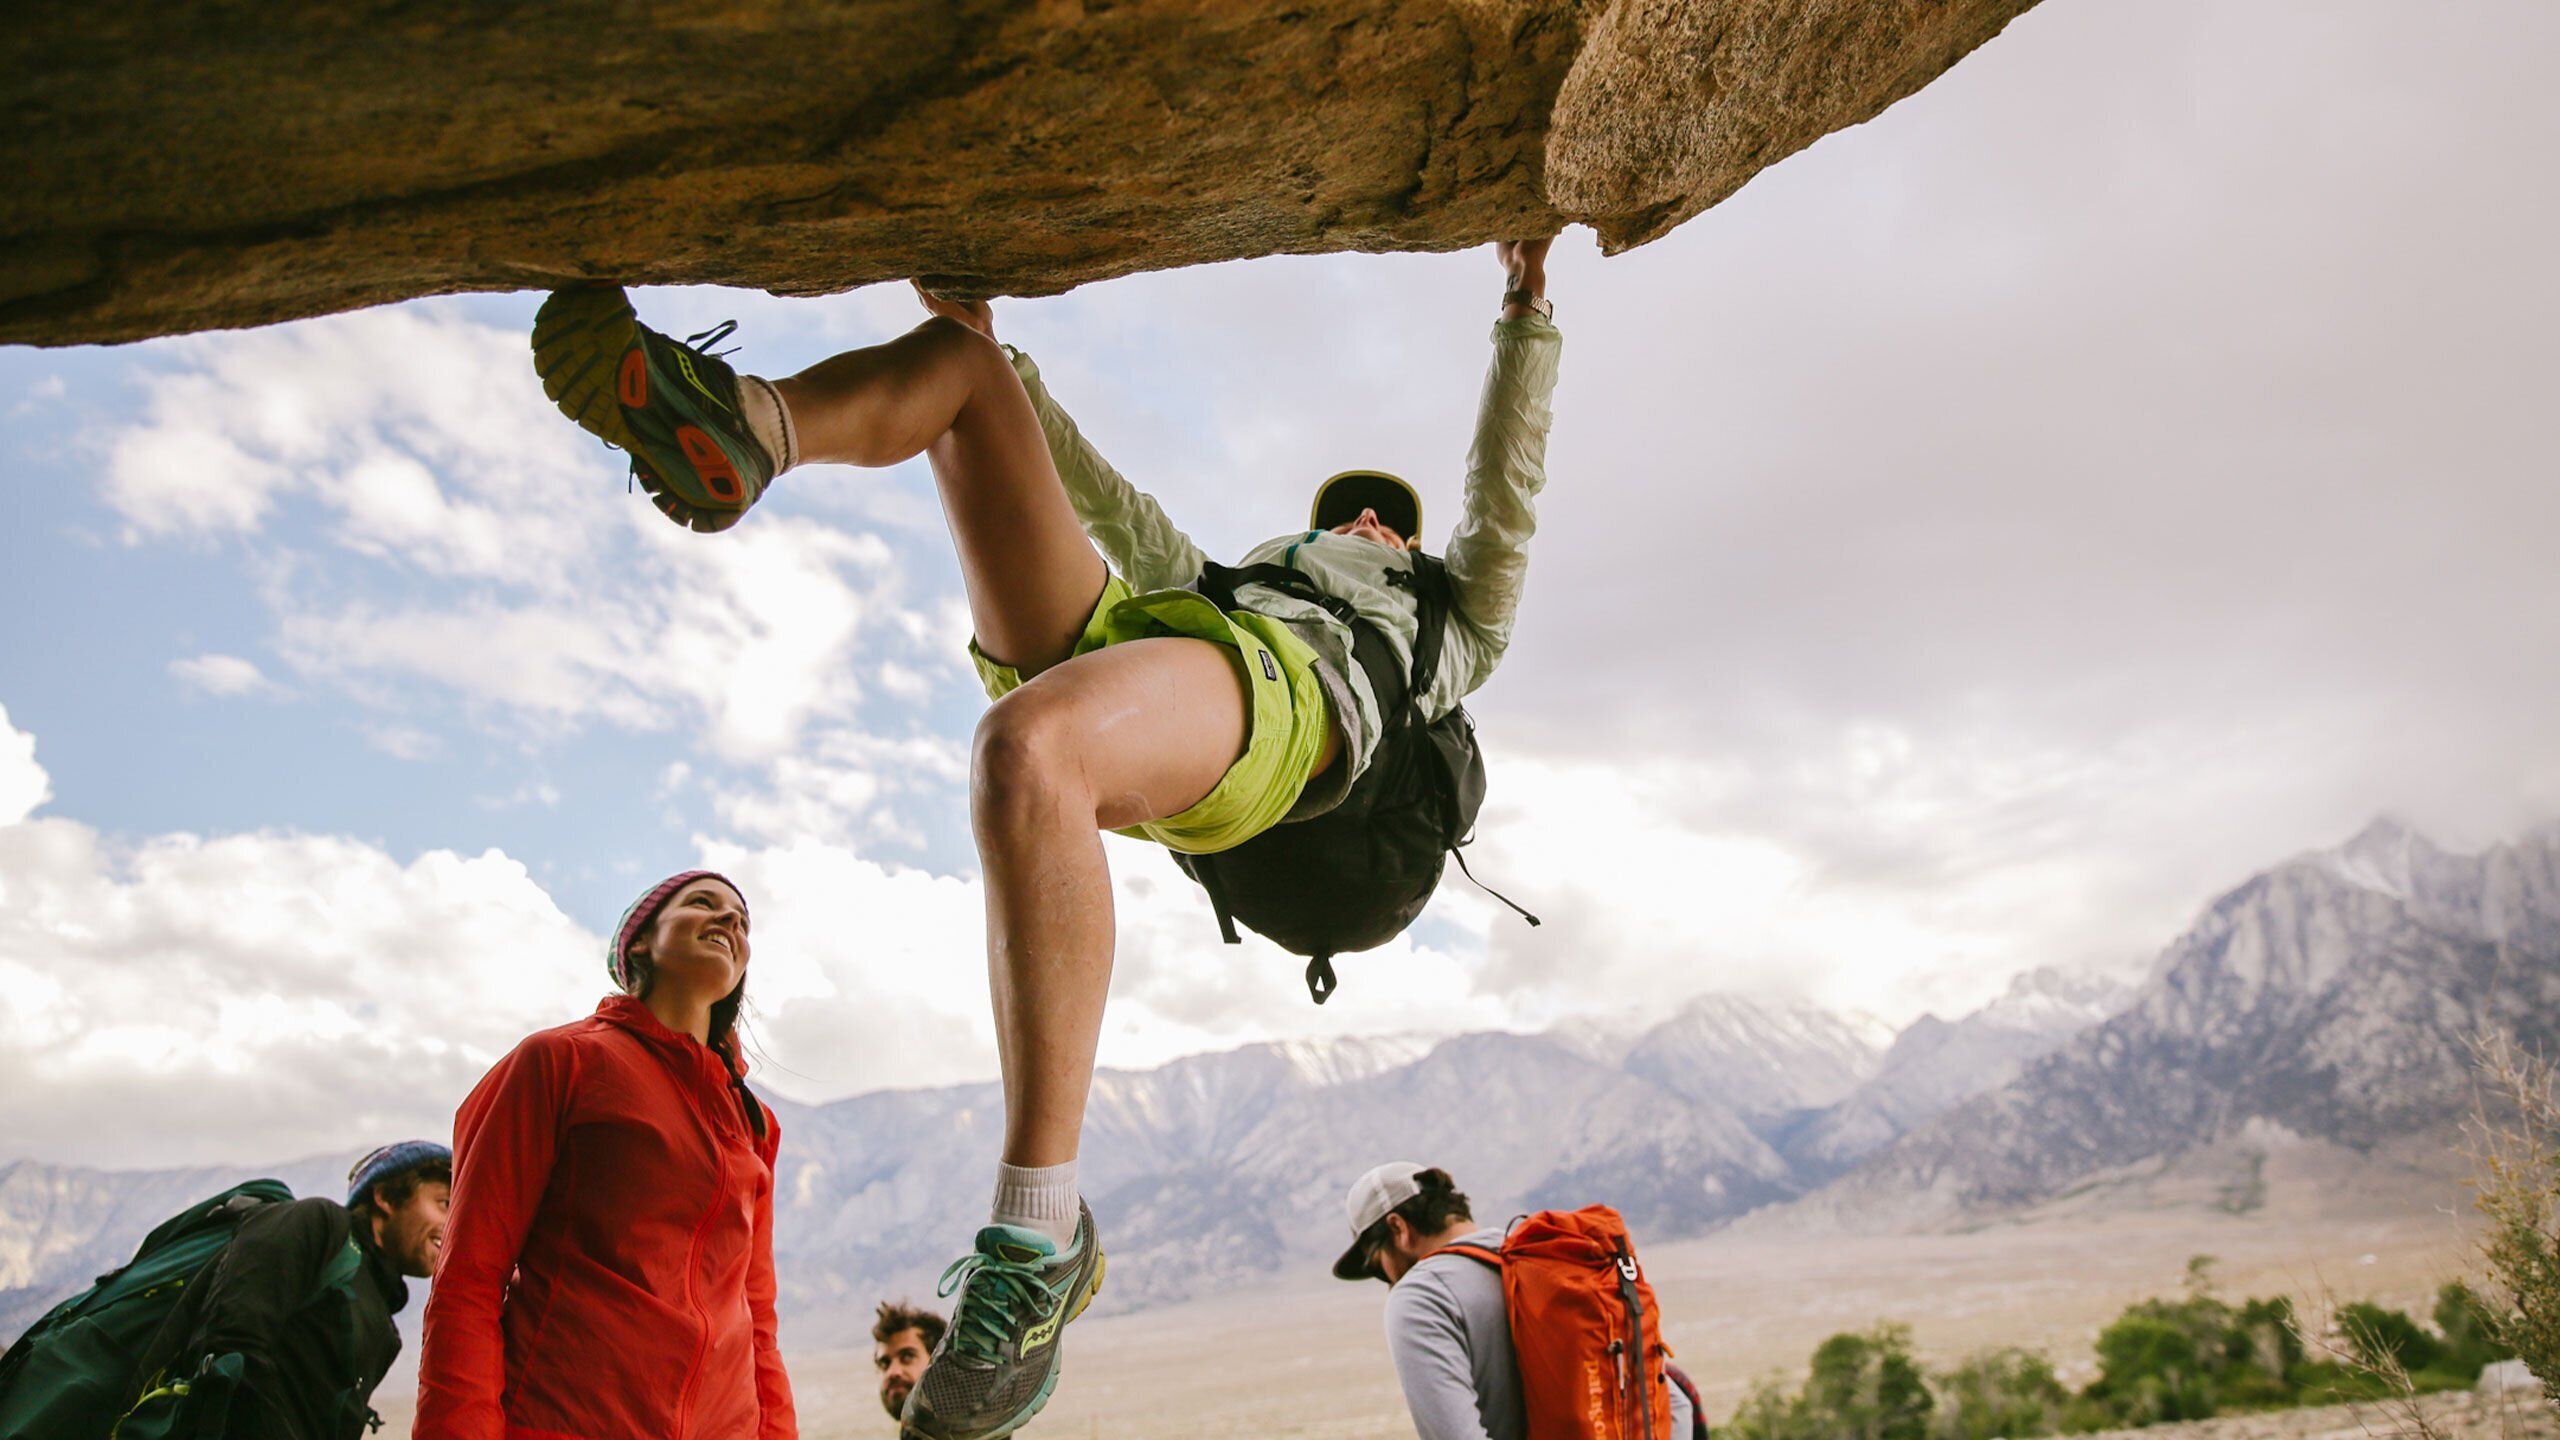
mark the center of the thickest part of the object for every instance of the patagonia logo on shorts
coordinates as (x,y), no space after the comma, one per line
(1269,670)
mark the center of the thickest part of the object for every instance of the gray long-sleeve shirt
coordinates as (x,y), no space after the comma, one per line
(1487,555)
(1450,1335)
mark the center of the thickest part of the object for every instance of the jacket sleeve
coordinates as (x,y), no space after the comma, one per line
(505,1138)
(1506,468)
(1125,522)
(773,1386)
(265,1274)
(1428,1338)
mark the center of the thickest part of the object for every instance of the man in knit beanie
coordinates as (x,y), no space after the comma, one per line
(289,1329)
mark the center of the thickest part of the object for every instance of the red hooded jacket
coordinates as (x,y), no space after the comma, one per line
(608,1267)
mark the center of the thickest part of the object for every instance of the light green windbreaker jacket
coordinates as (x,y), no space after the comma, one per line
(1487,556)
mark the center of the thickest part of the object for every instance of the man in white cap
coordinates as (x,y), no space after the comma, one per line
(1447,1327)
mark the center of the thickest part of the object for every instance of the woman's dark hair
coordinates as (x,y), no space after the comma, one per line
(723,1036)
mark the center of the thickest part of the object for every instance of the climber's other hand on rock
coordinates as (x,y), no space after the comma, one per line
(978,315)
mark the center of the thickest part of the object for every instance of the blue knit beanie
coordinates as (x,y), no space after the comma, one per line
(394,1159)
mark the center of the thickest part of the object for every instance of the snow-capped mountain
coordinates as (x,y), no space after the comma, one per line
(2331,999)
(1934,1065)
(1759,1059)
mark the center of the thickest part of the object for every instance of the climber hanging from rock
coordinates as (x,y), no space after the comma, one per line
(1290,727)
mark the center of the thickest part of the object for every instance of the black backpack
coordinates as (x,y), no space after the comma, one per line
(1354,877)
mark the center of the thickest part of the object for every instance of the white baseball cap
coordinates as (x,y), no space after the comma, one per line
(1371,1197)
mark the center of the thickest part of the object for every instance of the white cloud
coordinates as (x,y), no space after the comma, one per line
(221,675)
(869,974)
(182,998)
(187,999)
(505,566)
(24,787)
(842,787)
(403,742)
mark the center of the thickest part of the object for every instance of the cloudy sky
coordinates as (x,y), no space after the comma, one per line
(2123,465)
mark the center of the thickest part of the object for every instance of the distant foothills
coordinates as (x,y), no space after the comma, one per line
(2323,1007)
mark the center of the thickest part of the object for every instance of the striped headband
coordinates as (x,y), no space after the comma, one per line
(617,959)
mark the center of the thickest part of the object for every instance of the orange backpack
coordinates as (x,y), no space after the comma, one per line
(1583,1324)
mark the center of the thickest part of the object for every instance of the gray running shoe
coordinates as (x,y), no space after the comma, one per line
(674,408)
(998,1361)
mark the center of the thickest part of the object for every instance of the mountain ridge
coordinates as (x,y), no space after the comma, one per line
(2320,1006)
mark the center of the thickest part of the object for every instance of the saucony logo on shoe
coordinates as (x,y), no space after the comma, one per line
(673,407)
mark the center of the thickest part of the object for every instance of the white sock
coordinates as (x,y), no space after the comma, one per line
(1041,1198)
(769,420)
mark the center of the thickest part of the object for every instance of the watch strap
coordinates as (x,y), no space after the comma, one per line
(1538,305)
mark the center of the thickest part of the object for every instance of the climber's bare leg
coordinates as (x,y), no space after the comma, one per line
(1136,732)
(945,390)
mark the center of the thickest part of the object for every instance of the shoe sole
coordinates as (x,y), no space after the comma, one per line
(1048,1386)
(587,350)
(579,339)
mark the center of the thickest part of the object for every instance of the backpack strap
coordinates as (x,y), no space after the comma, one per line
(342,1268)
(1429,580)
(1397,689)
(1208,871)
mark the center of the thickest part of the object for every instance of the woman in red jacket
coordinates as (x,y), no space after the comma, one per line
(608,1267)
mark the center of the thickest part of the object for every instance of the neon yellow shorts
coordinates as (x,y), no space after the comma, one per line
(1287,726)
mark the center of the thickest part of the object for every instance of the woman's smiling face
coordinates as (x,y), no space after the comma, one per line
(700,938)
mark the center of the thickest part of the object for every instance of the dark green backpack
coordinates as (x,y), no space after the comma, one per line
(70,1376)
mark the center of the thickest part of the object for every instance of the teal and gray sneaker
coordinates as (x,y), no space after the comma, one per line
(998,1361)
(673,408)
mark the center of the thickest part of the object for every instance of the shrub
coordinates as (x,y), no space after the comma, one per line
(1867,1387)
(2384,1339)
(1999,1395)
(2515,1154)
(2470,1330)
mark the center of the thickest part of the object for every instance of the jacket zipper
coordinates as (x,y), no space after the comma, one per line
(692,1269)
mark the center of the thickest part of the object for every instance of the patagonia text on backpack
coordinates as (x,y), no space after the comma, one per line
(1584,1326)
(72,1373)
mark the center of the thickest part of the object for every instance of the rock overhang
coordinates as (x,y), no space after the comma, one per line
(183,167)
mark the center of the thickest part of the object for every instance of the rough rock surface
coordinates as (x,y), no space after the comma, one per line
(178,165)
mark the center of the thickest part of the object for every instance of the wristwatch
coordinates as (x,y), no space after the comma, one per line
(1538,305)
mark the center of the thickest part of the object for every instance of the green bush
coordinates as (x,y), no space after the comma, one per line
(2470,1330)
(1867,1387)
(2387,1340)
(1767,1412)
(2515,1153)
(1998,1395)
(2161,1360)
(1863,1386)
